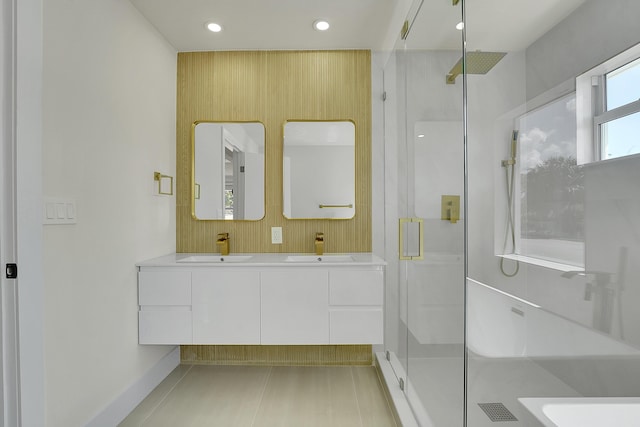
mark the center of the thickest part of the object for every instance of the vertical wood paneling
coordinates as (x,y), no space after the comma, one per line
(289,355)
(272,87)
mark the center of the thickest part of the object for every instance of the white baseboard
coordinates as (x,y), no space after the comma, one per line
(122,405)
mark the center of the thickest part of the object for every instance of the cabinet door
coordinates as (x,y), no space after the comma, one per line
(295,307)
(226,307)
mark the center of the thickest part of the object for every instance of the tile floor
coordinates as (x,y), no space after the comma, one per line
(199,395)
(438,383)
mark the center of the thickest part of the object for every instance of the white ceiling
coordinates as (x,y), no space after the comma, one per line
(269,24)
(492,25)
(503,25)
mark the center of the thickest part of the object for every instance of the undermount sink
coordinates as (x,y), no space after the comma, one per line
(319,258)
(216,258)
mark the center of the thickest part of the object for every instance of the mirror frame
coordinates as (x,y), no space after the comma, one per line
(355,177)
(192,190)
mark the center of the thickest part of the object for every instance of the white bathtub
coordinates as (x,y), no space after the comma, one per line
(584,411)
(501,325)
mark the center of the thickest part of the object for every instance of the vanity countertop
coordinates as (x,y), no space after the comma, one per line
(263,260)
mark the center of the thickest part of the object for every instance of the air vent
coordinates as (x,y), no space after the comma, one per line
(497,412)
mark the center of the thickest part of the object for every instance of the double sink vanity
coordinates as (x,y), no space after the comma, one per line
(266,298)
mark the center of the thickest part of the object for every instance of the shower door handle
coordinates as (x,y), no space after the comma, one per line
(411,239)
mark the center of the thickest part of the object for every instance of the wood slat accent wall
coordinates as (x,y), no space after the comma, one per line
(282,355)
(272,87)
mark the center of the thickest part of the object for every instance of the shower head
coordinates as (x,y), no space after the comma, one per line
(477,63)
(514,145)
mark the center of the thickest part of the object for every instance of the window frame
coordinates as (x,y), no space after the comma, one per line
(591,111)
(591,114)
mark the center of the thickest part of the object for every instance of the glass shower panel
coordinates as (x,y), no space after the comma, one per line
(396,194)
(553,231)
(424,135)
(396,208)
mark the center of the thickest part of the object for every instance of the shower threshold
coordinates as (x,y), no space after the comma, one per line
(395,394)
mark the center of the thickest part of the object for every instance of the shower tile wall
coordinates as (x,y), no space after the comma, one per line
(613,238)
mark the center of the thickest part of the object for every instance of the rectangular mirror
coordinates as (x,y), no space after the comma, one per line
(228,171)
(318,170)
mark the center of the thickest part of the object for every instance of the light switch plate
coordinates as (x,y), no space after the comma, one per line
(276,235)
(58,211)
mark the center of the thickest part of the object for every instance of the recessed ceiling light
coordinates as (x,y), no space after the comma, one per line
(421,135)
(459,25)
(213,27)
(321,25)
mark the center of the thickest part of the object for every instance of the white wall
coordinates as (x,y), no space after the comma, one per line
(27,41)
(109,123)
(592,34)
(7,190)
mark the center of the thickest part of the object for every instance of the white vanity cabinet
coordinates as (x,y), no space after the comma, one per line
(225,306)
(356,306)
(164,297)
(318,306)
(267,300)
(295,306)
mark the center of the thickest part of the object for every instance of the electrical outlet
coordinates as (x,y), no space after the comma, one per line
(276,235)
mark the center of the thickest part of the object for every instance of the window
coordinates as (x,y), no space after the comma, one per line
(608,109)
(618,125)
(597,122)
(623,85)
(551,189)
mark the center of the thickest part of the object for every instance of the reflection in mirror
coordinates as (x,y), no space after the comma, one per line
(228,171)
(318,168)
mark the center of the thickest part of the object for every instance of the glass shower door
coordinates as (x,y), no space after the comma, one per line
(424,138)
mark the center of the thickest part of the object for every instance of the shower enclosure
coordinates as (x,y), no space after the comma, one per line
(512,211)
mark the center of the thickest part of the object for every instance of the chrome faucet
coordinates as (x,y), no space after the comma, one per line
(319,243)
(223,243)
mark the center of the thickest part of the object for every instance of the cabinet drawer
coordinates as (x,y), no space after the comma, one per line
(356,326)
(164,288)
(164,326)
(213,286)
(356,287)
